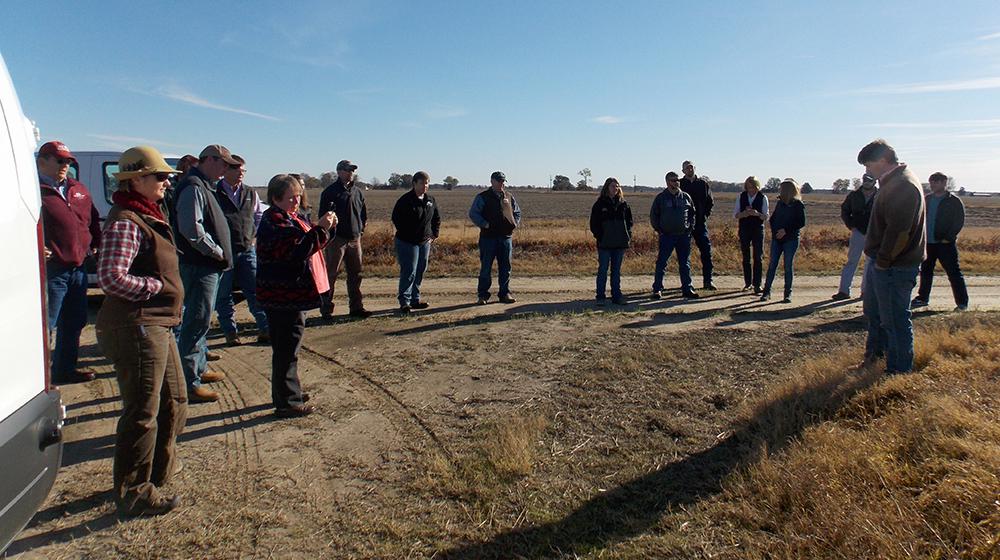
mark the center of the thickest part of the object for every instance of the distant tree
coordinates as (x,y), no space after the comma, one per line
(395,181)
(450,182)
(376,183)
(806,188)
(582,185)
(585,173)
(772,184)
(961,191)
(855,183)
(562,183)
(407,181)
(841,185)
(950,186)
(310,181)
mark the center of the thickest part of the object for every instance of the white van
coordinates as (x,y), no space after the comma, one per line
(31,411)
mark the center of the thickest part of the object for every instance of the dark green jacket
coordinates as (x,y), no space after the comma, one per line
(950,218)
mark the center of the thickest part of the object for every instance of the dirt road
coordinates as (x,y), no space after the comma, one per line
(395,394)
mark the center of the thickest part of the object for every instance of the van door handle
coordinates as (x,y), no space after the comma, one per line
(51,437)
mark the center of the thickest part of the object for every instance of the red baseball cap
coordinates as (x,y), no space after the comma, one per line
(56,148)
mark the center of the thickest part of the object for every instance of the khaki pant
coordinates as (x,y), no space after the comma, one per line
(154,409)
(344,253)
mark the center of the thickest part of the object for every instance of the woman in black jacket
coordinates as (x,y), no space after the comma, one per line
(418,222)
(787,219)
(611,224)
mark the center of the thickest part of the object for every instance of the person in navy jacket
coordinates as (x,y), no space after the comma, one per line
(787,220)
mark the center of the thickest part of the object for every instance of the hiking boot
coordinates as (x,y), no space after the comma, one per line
(296,411)
(690,294)
(212,357)
(840,296)
(482,301)
(507,299)
(361,313)
(201,395)
(709,286)
(917,302)
(212,376)
(164,505)
(419,305)
(233,339)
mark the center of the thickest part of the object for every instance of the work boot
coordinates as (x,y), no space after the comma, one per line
(162,506)
(212,357)
(212,376)
(507,299)
(201,395)
(708,285)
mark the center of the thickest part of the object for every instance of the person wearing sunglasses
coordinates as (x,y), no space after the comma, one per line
(72,233)
(138,271)
(672,216)
(206,252)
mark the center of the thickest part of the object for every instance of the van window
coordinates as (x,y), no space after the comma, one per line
(74,171)
(110,183)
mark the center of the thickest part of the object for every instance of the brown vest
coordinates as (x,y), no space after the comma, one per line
(157,257)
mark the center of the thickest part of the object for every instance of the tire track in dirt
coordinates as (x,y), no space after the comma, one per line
(239,394)
(380,398)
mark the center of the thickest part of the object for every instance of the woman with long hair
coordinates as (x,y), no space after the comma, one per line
(611,225)
(787,220)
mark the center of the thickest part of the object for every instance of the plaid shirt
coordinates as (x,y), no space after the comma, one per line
(120,244)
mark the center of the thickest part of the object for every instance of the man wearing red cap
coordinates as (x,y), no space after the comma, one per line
(72,232)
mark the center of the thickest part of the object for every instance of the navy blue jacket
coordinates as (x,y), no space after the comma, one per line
(789,217)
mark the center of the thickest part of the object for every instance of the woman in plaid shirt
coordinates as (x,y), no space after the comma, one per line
(137,269)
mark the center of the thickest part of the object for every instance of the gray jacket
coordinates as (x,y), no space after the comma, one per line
(672,214)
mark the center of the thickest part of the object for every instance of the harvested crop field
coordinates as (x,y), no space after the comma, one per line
(551,429)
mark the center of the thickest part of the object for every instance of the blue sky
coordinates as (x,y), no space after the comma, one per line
(533,88)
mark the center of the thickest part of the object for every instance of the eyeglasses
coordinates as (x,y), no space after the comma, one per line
(161,177)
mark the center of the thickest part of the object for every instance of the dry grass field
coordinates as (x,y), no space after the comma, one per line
(555,238)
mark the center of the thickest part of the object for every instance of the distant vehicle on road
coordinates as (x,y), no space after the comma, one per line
(31,411)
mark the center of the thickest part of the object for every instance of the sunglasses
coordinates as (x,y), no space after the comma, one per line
(161,177)
(63,161)
(236,166)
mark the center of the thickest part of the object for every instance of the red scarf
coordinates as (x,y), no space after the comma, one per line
(137,203)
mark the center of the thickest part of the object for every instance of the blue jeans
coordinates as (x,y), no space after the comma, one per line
(201,285)
(490,249)
(887,310)
(67,295)
(700,236)
(412,265)
(244,272)
(779,250)
(668,243)
(614,257)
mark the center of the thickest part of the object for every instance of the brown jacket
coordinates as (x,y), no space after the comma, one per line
(157,258)
(896,234)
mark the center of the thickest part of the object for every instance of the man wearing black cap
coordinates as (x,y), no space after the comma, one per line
(72,232)
(701,195)
(347,201)
(855,212)
(496,213)
(204,249)
(672,216)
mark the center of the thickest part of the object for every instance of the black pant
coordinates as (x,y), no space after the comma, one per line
(752,238)
(947,253)
(700,236)
(286,329)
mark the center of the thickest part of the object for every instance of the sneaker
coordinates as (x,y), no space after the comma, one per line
(404,310)
(361,313)
(962,307)
(917,302)
(201,395)
(212,376)
(691,294)
(482,301)
(507,299)
(601,302)
(709,286)
(419,305)
(840,296)
(620,300)
(212,356)
(657,294)
(765,296)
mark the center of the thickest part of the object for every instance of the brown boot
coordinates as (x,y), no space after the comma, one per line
(212,376)
(202,394)
(212,357)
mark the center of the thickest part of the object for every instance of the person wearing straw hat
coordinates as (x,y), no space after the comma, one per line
(138,270)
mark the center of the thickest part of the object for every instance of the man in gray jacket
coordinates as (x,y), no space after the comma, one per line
(673,218)
(205,252)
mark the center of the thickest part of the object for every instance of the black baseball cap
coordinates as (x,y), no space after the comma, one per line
(498,176)
(346,165)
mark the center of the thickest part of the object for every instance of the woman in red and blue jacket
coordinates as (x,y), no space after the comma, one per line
(291,275)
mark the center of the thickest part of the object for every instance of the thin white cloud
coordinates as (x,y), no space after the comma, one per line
(444,112)
(607,119)
(935,87)
(360,94)
(133,141)
(183,95)
(989,37)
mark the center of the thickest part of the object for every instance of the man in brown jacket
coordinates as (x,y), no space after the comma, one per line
(894,247)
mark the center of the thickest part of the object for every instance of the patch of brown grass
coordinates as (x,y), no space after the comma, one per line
(908,468)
